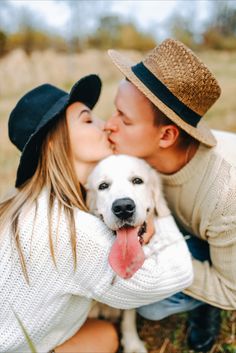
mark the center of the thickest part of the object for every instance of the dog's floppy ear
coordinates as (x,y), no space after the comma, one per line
(89,202)
(161,206)
(90,199)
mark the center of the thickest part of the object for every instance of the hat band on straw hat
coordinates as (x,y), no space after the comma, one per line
(165,95)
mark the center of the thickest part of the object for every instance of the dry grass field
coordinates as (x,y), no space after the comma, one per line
(19,73)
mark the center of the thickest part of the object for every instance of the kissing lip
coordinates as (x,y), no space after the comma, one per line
(111,141)
(109,138)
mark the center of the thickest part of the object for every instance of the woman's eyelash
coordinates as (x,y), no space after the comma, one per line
(126,122)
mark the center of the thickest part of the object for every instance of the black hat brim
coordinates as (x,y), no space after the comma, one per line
(87,90)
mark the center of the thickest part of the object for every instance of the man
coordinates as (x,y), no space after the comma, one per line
(159,117)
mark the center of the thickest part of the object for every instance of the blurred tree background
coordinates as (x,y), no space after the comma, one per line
(91,24)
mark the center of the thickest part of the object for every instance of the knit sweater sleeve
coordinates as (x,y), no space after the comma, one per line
(166,270)
(216,283)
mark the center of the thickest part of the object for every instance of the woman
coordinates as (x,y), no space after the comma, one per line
(53,253)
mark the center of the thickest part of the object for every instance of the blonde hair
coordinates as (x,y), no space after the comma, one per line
(54,171)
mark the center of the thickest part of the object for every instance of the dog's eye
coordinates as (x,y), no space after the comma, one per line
(137,181)
(103,186)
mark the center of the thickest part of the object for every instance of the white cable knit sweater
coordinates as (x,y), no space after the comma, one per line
(57,301)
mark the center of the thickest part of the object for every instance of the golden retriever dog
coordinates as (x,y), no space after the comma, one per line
(124,192)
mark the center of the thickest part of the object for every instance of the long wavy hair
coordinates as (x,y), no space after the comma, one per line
(54,171)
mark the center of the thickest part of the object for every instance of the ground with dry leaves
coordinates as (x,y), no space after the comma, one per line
(169,335)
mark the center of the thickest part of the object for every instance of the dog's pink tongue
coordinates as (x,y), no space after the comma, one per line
(126,255)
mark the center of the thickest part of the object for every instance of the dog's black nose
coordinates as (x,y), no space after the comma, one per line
(123,208)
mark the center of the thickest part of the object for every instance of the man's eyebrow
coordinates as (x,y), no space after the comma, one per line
(124,116)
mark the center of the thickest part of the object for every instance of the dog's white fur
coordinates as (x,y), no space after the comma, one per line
(116,177)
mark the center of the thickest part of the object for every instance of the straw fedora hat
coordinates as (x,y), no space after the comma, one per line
(178,83)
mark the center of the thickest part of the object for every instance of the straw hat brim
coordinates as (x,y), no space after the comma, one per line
(201,133)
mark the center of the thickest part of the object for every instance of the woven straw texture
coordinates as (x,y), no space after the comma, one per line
(184,74)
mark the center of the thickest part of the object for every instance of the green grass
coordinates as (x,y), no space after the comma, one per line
(25,333)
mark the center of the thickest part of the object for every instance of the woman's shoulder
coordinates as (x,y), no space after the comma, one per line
(84,221)
(87,221)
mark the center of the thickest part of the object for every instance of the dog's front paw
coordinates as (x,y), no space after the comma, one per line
(133,345)
(94,311)
(110,313)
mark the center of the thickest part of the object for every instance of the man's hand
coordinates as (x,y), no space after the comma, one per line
(150,230)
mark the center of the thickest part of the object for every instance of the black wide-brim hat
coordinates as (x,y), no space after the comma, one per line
(35,114)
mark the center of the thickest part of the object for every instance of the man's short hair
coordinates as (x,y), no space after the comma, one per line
(160,119)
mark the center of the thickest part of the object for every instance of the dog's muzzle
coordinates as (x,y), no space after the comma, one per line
(123,208)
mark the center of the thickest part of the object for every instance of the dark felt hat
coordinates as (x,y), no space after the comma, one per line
(35,114)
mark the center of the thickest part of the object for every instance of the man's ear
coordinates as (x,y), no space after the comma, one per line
(160,203)
(169,135)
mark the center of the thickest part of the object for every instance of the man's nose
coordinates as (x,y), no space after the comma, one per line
(111,125)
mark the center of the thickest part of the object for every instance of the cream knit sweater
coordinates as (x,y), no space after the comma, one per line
(202,196)
(57,301)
